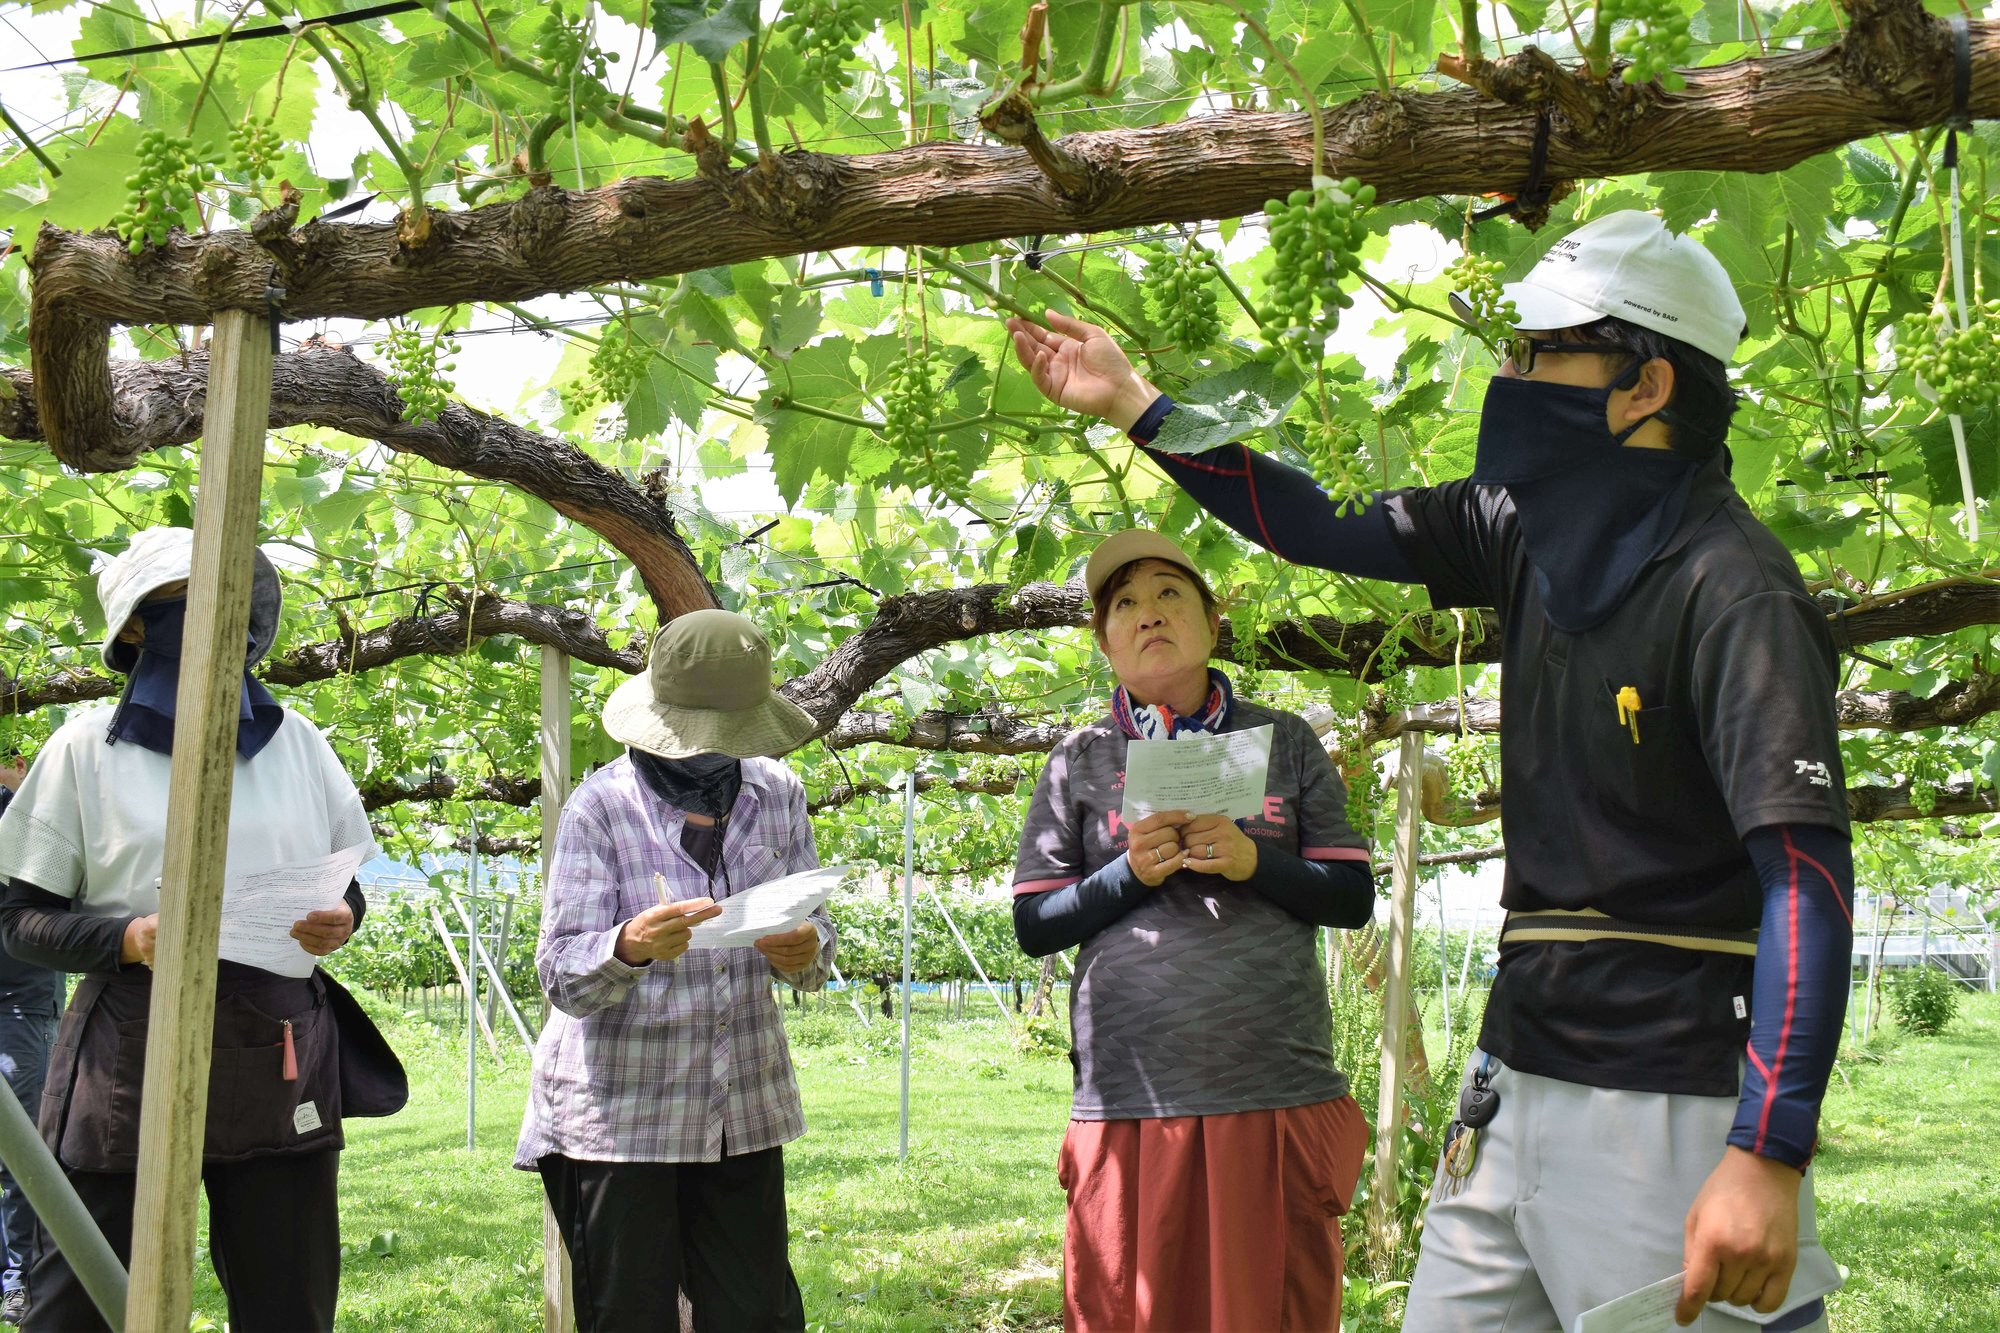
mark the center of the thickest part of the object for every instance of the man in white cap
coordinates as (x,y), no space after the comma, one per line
(662,1092)
(1644,1102)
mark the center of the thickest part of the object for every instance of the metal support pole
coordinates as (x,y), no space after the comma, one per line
(970,957)
(909,883)
(55,1202)
(499,983)
(860,1011)
(173,1109)
(478,957)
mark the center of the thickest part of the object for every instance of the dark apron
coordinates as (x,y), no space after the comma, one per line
(266,1028)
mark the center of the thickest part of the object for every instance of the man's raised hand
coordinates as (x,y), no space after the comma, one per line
(1081,367)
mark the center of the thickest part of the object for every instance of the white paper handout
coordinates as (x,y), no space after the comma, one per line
(260,907)
(1650,1309)
(771,908)
(1203,774)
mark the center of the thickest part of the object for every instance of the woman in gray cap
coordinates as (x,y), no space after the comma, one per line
(1212,1145)
(662,1088)
(81,850)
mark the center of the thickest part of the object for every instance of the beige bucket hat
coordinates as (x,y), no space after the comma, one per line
(707,689)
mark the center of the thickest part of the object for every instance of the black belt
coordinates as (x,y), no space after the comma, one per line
(1588,924)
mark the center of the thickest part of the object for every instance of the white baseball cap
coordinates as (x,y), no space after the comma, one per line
(1627,265)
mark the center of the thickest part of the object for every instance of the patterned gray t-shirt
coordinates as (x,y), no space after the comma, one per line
(1206,998)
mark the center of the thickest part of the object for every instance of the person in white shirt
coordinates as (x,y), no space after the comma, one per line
(81,853)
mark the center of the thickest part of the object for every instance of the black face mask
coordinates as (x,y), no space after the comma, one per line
(1593,512)
(702,784)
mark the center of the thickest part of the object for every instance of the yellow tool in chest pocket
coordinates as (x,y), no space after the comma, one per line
(1628,710)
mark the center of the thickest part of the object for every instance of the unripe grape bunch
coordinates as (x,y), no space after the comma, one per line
(1961,366)
(559,44)
(1477,280)
(1178,286)
(618,363)
(1315,238)
(1334,452)
(825,33)
(909,419)
(1655,39)
(159,195)
(418,369)
(254,147)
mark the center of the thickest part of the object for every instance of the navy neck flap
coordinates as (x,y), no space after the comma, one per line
(1593,512)
(145,713)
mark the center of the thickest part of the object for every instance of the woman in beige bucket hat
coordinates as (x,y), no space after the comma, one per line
(663,1090)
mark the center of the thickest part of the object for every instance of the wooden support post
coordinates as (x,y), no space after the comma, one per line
(174,1104)
(558,1312)
(1396,993)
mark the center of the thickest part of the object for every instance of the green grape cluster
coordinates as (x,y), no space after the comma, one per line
(1335,455)
(254,147)
(1364,798)
(420,371)
(1179,288)
(560,44)
(1465,767)
(1316,235)
(1477,280)
(159,195)
(1962,367)
(1655,39)
(909,418)
(825,33)
(619,363)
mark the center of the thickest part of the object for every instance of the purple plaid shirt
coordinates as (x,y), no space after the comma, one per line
(659,1063)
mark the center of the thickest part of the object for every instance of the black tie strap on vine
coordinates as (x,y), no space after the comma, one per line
(1033,256)
(1961,89)
(274,303)
(1533,196)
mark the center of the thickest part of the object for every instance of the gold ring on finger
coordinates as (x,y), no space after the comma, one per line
(1211,852)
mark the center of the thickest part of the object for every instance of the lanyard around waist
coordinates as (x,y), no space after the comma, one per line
(1588,924)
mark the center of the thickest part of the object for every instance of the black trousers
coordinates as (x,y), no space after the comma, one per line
(273,1235)
(639,1231)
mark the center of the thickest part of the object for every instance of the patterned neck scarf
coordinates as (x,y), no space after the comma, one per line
(1157,722)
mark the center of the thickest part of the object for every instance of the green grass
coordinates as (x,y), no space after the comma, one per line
(1909,1187)
(967,1234)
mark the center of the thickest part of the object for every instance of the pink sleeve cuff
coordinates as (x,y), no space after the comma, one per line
(1044,885)
(1333,854)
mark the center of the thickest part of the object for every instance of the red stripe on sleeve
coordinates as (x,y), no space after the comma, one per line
(1791,998)
(1824,873)
(1257,510)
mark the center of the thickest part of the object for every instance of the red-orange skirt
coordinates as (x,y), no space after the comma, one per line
(1221,1222)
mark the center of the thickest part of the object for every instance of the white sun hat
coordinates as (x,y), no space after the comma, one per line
(1628,266)
(156,557)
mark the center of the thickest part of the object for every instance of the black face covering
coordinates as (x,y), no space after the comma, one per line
(145,714)
(703,784)
(1593,512)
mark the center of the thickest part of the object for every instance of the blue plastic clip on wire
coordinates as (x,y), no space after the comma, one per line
(874,276)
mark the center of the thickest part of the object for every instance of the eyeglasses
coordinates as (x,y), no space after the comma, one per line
(1522,350)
